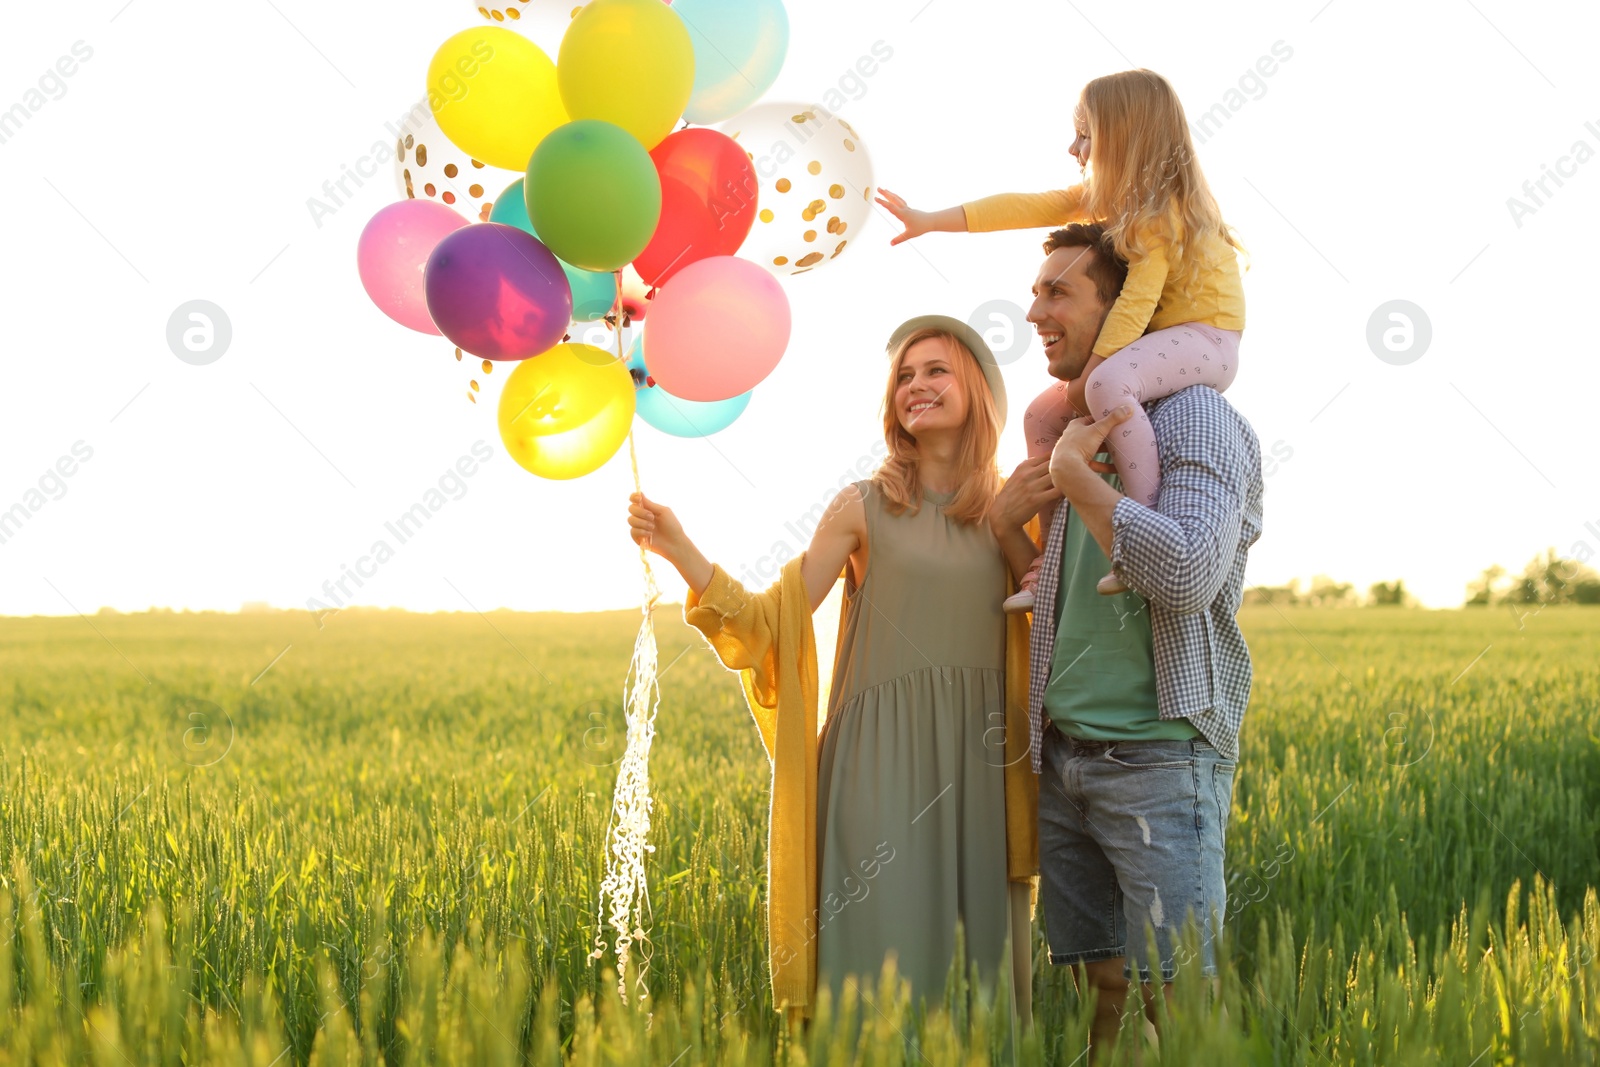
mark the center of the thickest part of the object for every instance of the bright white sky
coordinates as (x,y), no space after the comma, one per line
(1375,164)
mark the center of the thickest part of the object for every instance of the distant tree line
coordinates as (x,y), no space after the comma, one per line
(1547,579)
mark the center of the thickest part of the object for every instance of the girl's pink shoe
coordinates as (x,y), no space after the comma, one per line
(1022,599)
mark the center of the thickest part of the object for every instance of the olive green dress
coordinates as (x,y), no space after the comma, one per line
(911,826)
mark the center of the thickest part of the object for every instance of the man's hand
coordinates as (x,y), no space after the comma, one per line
(1079,444)
(1075,471)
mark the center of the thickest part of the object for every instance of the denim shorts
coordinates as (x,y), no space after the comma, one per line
(1130,833)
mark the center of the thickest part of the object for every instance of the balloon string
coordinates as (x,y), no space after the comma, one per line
(624,890)
(651,592)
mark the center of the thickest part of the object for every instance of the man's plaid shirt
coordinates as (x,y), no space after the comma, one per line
(1186,558)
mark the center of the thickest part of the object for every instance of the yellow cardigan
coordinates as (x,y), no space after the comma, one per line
(1151,298)
(767,637)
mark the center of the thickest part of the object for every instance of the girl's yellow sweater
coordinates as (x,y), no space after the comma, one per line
(767,637)
(1151,298)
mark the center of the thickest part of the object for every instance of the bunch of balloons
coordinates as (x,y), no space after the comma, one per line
(545,193)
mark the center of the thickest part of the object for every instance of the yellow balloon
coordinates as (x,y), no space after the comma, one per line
(565,412)
(494,93)
(630,63)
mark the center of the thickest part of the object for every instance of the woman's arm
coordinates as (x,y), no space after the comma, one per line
(841,532)
(741,624)
(656,528)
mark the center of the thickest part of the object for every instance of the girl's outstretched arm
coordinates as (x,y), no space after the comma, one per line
(1003,211)
(1025,211)
(916,222)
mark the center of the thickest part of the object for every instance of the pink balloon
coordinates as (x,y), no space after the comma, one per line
(717,328)
(392,253)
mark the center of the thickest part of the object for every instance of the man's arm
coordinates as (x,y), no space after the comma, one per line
(1179,553)
(1076,473)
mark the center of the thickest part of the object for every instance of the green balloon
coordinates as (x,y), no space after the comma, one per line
(593,294)
(593,194)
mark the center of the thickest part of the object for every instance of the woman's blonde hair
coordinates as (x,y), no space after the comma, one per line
(977,475)
(1143,181)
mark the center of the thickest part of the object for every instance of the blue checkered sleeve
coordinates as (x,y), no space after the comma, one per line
(1187,557)
(1179,553)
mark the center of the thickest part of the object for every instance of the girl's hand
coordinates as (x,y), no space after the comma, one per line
(655,527)
(916,222)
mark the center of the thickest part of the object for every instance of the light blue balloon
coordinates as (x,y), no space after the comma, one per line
(593,294)
(739,46)
(673,414)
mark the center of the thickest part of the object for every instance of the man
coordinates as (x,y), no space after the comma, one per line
(1135,700)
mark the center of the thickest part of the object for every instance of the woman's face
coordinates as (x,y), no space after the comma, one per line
(927,395)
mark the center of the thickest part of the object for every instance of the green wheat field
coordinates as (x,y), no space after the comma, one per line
(383,845)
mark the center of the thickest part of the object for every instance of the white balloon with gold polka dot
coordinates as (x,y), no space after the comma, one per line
(816,185)
(544,22)
(428,166)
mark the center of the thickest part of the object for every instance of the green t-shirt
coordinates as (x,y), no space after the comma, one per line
(1103,677)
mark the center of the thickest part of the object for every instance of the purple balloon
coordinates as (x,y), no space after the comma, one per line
(497,292)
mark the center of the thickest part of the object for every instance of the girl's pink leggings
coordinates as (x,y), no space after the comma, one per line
(1156,365)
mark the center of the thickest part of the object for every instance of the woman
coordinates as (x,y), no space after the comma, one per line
(914,812)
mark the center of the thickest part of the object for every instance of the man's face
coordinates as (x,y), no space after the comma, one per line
(1067,312)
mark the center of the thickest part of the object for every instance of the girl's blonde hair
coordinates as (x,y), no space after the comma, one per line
(1144,182)
(977,475)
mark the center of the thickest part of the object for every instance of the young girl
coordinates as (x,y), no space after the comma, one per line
(1178,320)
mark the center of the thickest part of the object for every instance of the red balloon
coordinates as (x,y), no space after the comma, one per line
(708,202)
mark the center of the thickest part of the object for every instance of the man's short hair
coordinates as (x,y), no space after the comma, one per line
(1106,269)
